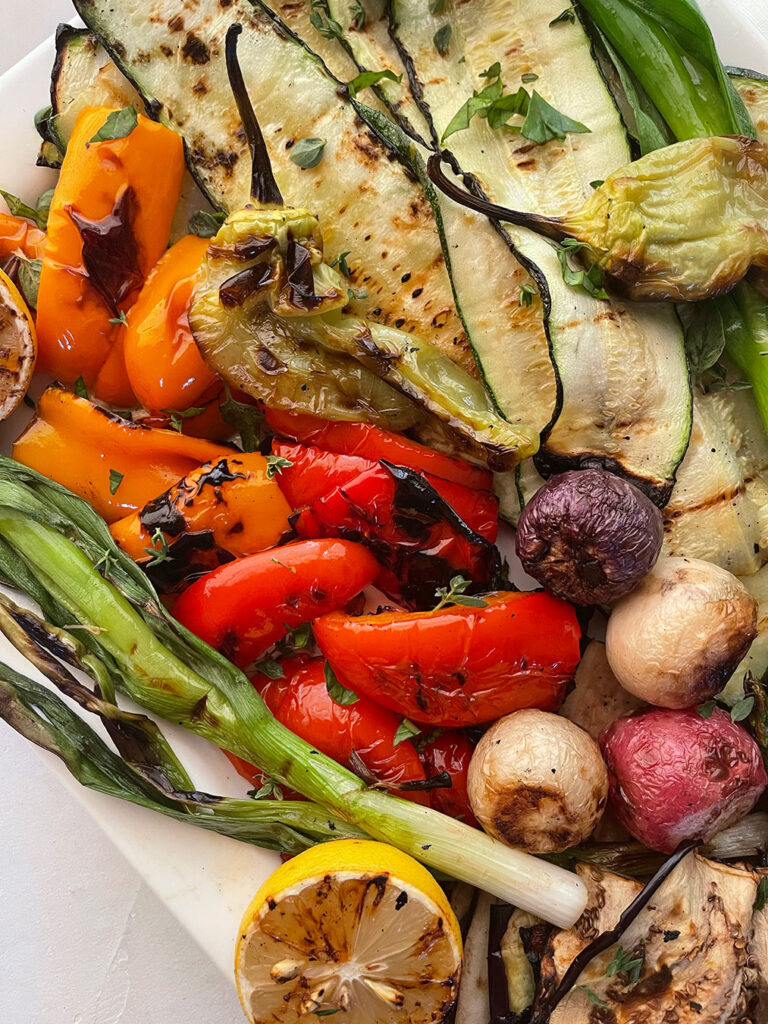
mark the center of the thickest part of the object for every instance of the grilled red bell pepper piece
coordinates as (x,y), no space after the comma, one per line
(244,607)
(459,665)
(301,702)
(370,442)
(417,537)
(313,473)
(450,752)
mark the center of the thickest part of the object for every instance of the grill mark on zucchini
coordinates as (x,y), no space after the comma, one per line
(506,335)
(719,507)
(278,64)
(630,364)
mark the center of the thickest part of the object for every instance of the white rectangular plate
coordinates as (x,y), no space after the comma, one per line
(204,879)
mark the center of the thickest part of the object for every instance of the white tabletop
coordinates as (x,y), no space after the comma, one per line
(82,939)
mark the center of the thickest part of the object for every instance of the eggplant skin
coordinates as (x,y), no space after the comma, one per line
(589,536)
(683,223)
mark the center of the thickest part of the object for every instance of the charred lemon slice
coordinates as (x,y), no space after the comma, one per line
(18,346)
(352,927)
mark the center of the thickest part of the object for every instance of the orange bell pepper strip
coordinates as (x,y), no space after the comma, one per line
(108,225)
(18,235)
(116,465)
(231,498)
(164,364)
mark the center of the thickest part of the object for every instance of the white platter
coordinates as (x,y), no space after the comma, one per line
(206,880)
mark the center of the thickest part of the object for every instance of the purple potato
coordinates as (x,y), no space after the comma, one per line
(589,536)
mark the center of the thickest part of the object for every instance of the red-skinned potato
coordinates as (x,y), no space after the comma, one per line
(675,775)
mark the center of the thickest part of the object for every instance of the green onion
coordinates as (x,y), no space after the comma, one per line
(51,542)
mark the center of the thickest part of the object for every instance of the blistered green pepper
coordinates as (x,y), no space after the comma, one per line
(267,314)
(682,223)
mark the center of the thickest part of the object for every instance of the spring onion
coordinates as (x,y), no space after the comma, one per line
(50,542)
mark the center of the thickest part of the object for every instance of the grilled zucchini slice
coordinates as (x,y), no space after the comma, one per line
(626,394)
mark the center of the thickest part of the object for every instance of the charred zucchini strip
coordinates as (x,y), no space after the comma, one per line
(626,396)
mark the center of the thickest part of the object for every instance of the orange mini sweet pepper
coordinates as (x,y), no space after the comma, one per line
(108,225)
(164,365)
(18,235)
(116,465)
(231,504)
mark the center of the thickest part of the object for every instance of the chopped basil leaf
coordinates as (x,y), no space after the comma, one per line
(341,262)
(543,122)
(406,731)
(276,464)
(80,389)
(28,277)
(366,78)
(568,15)
(625,962)
(115,479)
(357,13)
(118,125)
(529,76)
(597,183)
(436,6)
(159,554)
(338,693)
(442,39)
(269,788)
(247,420)
(179,415)
(590,281)
(356,293)
(494,71)
(321,19)
(456,594)
(308,153)
(527,292)
(119,319)
(742,709)
(37,214)
(270,668)
(593,997)
(706,709)
(704,330)
(206,223)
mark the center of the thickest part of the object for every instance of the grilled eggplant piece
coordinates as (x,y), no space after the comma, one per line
(626,397)
(689,946)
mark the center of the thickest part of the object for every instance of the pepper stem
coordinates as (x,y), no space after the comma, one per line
(550,227)
(264,188)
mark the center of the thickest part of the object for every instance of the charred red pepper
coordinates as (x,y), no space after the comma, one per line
(314,473)
(244,607)
(450,752)
(369,442)
(460,665)
(301,702)
(419,539)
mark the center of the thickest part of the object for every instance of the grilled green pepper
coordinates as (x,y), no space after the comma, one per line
(267,314)
(682,223)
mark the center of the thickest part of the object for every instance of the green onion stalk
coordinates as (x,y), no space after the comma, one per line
(667,48)
(56,549)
